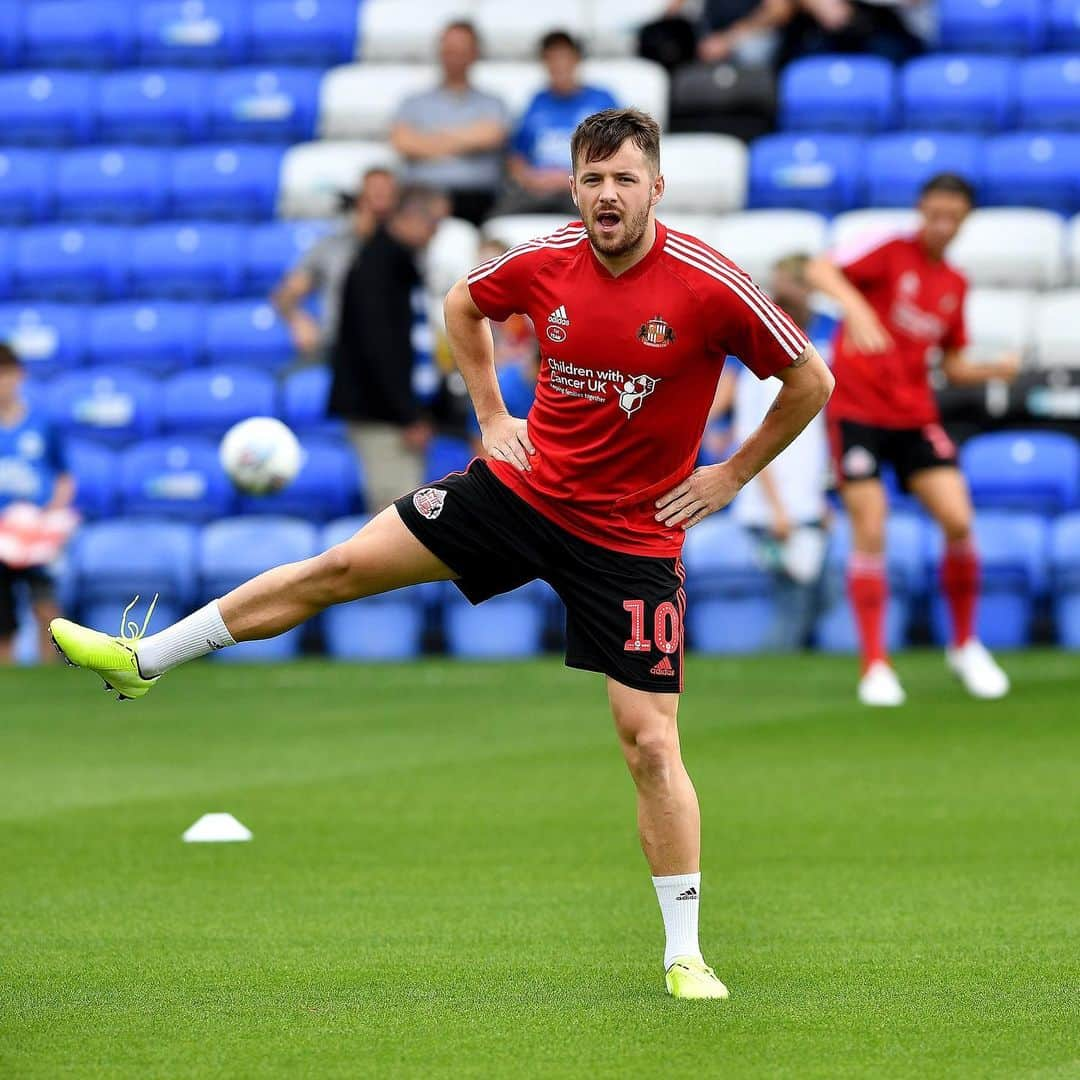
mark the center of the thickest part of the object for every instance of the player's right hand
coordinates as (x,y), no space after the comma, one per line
(866,333)
(506,438)
(306,334)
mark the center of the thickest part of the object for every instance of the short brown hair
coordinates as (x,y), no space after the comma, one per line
(8,356)
(598,137)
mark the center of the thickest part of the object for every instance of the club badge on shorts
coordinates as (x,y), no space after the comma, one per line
(429,502)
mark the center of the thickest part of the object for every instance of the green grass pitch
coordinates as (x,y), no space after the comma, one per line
(445,879)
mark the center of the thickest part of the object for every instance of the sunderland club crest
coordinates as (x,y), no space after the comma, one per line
(656,333)
(429,502)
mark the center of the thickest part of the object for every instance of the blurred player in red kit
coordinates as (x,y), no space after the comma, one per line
(900,300)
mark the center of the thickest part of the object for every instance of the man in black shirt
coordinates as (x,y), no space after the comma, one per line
(372,356)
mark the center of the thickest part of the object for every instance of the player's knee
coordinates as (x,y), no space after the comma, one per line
(652,753)
(956,525)
(335,571)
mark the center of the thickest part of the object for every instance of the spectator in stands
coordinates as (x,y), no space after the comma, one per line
(373,386)
(324,266)
(784,505)
(743,31)
(452,136)
(539,162)
(33,474)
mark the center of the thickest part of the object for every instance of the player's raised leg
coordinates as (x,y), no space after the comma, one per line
(868,589)
(944,492)
(383,555)
(669,824)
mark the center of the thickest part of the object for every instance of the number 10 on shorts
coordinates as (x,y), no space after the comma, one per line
(666,629)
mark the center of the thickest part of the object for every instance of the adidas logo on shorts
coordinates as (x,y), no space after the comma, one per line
(663,668)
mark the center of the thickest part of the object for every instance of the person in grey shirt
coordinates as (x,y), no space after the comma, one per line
(324,265)
(452,136)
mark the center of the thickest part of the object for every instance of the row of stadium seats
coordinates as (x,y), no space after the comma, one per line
(943,91)
(731,608)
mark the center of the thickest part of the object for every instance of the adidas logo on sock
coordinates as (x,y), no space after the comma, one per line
(559,316)
(663,668)
(690,894)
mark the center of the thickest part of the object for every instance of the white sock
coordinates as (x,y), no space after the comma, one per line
(200,633)
(679,895)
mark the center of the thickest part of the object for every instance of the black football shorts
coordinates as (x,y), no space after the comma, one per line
(859,450)
(624,613)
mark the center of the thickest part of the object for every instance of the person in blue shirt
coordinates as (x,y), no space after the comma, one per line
(32,470)
(539,160)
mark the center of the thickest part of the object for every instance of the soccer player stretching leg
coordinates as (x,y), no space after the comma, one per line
(900,299)
(593,493)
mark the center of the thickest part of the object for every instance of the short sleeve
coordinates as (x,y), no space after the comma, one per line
(500,287)
(956,335)
(865,264)
(313,261)
(525,137)
(746,324)
(55,453)
(410,111)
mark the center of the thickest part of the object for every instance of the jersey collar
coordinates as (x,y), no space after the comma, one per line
(640,267)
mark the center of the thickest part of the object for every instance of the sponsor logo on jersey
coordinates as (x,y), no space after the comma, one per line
(556,333)
(665,668)
(634,391)
(656,333)
(429,502)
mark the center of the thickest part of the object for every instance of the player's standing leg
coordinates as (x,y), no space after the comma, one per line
(943,491)
(669,824)
(383,555)
(868,589)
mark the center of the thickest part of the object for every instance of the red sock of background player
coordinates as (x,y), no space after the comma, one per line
(960,584)
(868,589)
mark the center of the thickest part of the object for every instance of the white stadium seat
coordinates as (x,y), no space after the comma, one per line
(704,172)
(1011,248)
(633,82)
(1073,243)
(614,24)
(358,101)
(315,174)
(1057,330)
(512,31)
(755,239)
(407,29)
(451,254)
(999,321)
(514,229)
(858,227)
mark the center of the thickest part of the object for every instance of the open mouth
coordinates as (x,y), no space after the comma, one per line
(608,220)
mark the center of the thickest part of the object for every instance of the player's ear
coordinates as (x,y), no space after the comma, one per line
(657,189)
(573,189)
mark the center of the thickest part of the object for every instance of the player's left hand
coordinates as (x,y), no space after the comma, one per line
(703,492)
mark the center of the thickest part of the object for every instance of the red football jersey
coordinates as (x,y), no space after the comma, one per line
(920,301)
(628,372)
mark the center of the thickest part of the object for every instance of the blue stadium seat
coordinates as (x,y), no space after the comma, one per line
(48,337)
(964,93)
(274,248)
(225,181)
(1065,571)
(236,549)
(205,32)
(734,609)
(47,108)
(906,569)
(1014,559)
(304,397)
(504,627)
(1038,471)
(208,401)
(278,105)
(157,336)
(97,477)
(187,260)
(247,332)
(317,32)
(1063,26)
(112,183)
(838,93)
(72,262)
(898,165)
(175,478)
(446,454)
(1049,92)
(26,185)
(326,487)
(378,628)
(112,405)
(114,560)
(811,172)
(11,36)
(7,261)
(1033,170)
(153,105)
(73,33)
(991,25)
